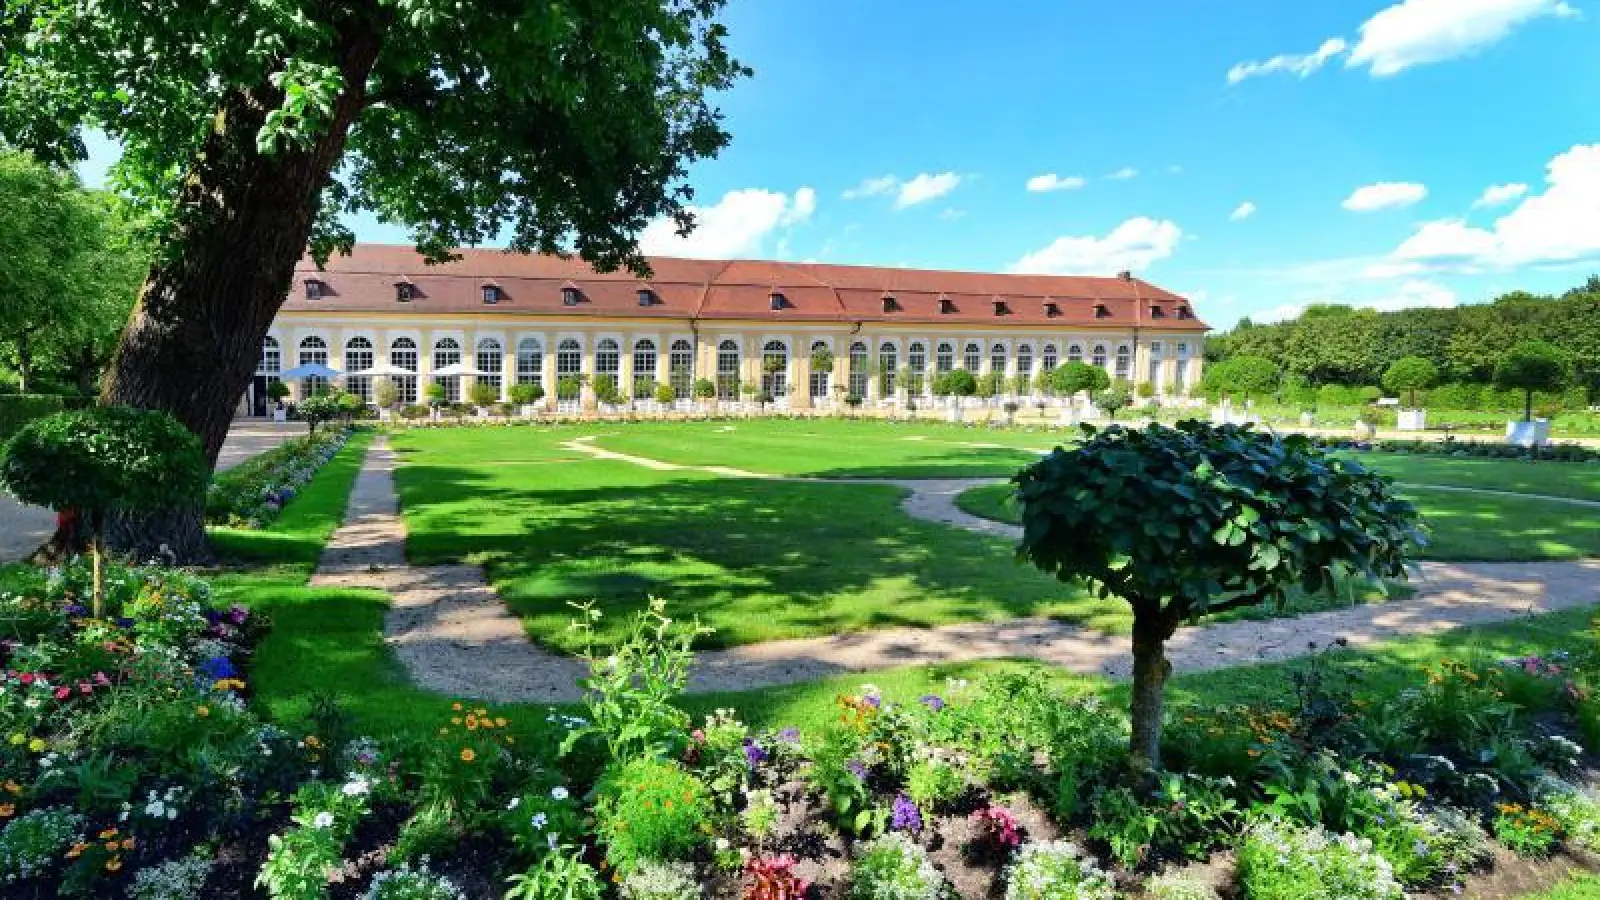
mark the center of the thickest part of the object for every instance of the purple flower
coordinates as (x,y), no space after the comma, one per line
(215,669)
(904,815)
(237,614)
(857,768)
(933,702)
(790,735)
(873,700)
(124,622)
(77,610)
(753,753)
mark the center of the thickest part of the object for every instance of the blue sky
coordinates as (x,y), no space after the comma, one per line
(1364,136)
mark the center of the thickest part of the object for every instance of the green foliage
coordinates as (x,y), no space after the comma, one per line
(323,406)
(562,875)
(606,390)
(894,868)
(955,383)
(1075,376)
(1528,831)
(525,393)
(1247,376)
(665,395)
(934,783)
(1410,374)
(1278,861)
(254,493)
(18,410)
(705,389)
(1532,366)
(385,393)
(1057,870)
(483,394)
(32,843)
(433,393)
(1187,816)
(569,387)
(647,809)
(1114,399)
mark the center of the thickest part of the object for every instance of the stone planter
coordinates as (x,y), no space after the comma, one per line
(280,415)
(1413,420)
(956,413)
(1528,434)
(529,411)
(1365,431)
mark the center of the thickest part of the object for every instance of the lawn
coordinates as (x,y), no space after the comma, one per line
(1464,526)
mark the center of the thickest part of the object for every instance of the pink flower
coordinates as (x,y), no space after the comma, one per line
(101,679)
(85,687)
(63,693)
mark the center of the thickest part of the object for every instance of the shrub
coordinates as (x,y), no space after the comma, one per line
(1177,886)
(525,393)
(660,881)
(32,843)
(1526,831)
(1187,815)
(1056,871)
(665,395)
(324,406)
(102,460)
(17,410)
(933,783)
(406,883)
(894,868)
(648,809)
(1278,861)
(955,383)
(483,393)
(1410,374)
(1248,376)
(385,393)
(705,389)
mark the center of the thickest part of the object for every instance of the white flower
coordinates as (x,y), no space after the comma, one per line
(357,786)
(515,802)
(323,820)
(538,821)
(559,793)
(722,845)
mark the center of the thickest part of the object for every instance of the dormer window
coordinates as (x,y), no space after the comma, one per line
(405,292)
(647,297)
(1001,309)
(890,304)
(946,306)
(1101,311)
(313,289)
(1184,313)
(491,294)
(570,296)
(1052,310)
(776,300)
(1156,312)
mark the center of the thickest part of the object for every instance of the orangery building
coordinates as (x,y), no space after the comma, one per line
(804,335)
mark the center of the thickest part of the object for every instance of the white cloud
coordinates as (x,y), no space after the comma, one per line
(737,226)
(1244,211)
(1302,64)
(873,187)
(1500,195)
(1277,313)
(926,187)
(1054,182)
(1419,32)
(1124,173)
(1561,225)
(1385,195)
(951,214)
(1133,245)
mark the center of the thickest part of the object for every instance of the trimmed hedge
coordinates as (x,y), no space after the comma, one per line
(17,410)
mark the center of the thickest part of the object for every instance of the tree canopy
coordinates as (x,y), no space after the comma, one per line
(1248,376)
(1246,517)
(1410,374)
(1532,366)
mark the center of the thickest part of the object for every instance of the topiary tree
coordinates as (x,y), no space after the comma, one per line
(705,389)
(105,460)
(1532,366)
(385,393)
(277,391)
(1410,374)
(526,393)
(665,395)
(1244,375)
(1114,399)
(318,408)
(433,392)
(955,383)
(483,394)
(1200,519)
(1074,377)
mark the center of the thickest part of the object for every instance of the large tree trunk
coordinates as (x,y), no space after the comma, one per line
(1150,671)
(243,222)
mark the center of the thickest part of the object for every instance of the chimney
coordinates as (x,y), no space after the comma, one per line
(1125,275)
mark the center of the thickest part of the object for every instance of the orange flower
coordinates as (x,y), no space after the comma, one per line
(456,706)
(202,711)
(127,843)
(468,754)
(7,810)
(108,833)
(11,787)
(113,864)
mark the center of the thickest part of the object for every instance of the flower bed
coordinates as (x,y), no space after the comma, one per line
(133,766)
(253,494)
(1469,449)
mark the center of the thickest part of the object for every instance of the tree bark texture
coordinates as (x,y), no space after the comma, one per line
(1150,671)
(243,222)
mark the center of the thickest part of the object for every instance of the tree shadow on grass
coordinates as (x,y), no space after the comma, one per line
(1494,528)
(756,560)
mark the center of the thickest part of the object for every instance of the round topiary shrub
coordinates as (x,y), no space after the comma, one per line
(97,461)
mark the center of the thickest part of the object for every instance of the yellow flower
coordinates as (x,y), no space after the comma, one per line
(18,737)
(108,833)
(468,754)
(127,843)
(113,864)
(7,810)
(456,706)
(37,745)
(202,711)
(499,721)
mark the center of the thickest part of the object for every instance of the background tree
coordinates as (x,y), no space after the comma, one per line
(554,126)
(483,394)
(1410,374)
(1114,399)
(525,393)
(385,393)
(955,383)
(1247,376)
(1245,518)
(664,394)
(1074,377)
(97,461)
(323,406)
(1532,366)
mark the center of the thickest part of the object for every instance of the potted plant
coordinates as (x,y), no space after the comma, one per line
(665,396)
(705,391)
(1408,375)
(483,395)
(1528,367)
(1367,420)
(1011,407)
(386,394)
(526,395)
(433,393)
(278,392)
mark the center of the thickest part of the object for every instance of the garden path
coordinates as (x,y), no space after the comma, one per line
(24,528)
(455,636)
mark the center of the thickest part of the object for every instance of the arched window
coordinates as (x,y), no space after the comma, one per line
(530,361)
(644,368)
(945,358)
(821,375)
(403,355)
(446,353)
(607,363)
(997,359)
(916,367)
(775,369)
(569,358)
(1050,359)
(972,357)
(1025,360)
(271,357)
(680,369)
(1075,353)
(1180,380)
(358,357)
(858,369)
(728,370)
(314,351)
(888,368)
(1124,361)
(491,357)
(1097,357)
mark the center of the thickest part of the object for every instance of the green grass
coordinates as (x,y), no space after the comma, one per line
(755,560)
(1577,886)
(1464,526)
(1576,480)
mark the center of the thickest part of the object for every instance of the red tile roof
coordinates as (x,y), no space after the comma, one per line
(365,281)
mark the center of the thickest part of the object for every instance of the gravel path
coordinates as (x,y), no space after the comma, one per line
(455,635)
(24,528)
